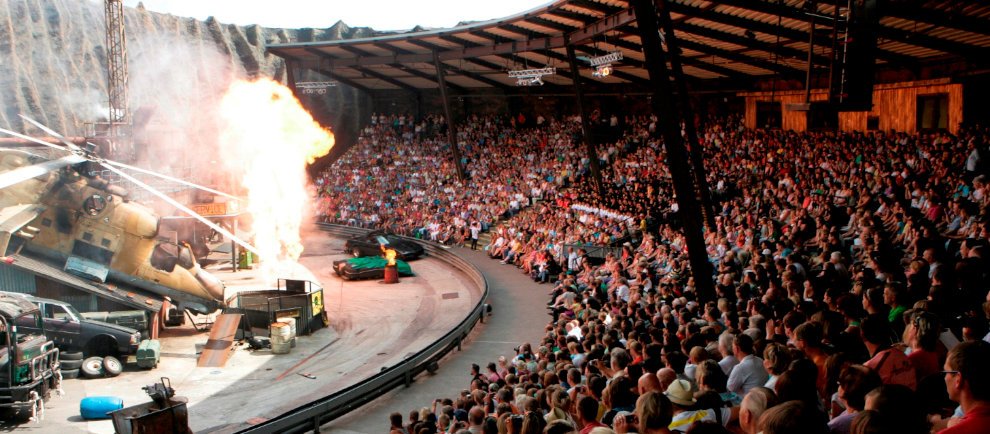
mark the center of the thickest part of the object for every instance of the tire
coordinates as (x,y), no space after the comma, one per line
(68,374)
(92,367)
(112,366)
(70,355)
(68,365)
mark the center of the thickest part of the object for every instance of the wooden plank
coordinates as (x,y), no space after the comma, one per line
(218,346)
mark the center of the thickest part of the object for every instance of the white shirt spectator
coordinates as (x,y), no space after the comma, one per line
(749,373)
(727,363)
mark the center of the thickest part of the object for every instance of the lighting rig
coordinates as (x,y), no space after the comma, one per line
(603,64)
(531,77)
(317,87)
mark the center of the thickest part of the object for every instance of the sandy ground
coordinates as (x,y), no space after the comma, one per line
(372,326)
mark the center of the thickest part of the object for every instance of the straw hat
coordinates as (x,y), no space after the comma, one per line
(679,392)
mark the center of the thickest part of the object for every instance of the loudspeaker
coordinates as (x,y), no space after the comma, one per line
(859,62)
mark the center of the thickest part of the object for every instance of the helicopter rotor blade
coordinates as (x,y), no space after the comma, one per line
(182,207)
(32,139)
(173,179)
(25,173)
(70,145)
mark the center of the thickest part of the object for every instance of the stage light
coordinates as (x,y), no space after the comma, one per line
(603,64)
(532,81)
(317,87)
(602,71)
(531,77)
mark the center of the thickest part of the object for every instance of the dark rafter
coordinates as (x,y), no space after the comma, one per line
(543,22)
(907,37)
(939,18)
(560,57)
(515,59)
(780,68)
(751,43)
(595,6)
(480,62)
(573,16)
(327,72)
(787,34)
(361,53)
(741,40)
(468,74)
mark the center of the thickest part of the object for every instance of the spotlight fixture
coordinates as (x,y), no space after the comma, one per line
(602,71)
(317,87)
(534,81)
(531,77)
(603,64)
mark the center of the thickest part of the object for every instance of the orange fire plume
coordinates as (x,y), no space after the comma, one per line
(268,138)
(389,255)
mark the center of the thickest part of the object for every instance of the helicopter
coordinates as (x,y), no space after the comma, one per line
(59,210)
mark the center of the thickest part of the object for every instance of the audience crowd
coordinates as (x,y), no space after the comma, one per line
(850,272)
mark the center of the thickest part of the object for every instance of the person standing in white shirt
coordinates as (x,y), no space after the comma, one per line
(749,373)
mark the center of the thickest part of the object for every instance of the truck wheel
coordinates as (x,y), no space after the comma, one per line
(112,367)
(92,367)
(70,355)
(68,374)
(68,365)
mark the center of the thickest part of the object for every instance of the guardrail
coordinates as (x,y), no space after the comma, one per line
(311,416)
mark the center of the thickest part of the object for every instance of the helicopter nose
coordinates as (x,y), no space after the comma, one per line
(211,283)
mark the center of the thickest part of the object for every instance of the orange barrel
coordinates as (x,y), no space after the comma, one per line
(391,274)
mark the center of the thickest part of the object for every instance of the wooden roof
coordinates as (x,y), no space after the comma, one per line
(728,39)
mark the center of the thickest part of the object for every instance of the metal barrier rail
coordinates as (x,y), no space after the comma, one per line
(311,416)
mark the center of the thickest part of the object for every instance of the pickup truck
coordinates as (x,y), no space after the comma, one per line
(65,326)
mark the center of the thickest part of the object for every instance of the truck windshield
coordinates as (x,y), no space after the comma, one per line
(28,324)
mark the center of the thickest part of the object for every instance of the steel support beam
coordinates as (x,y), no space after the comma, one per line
(451,127)
(696,155)
(677,158)
(589,142)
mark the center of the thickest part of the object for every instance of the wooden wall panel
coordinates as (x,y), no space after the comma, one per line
(749,119)
(894,104)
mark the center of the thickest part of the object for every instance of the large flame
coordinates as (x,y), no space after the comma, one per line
(269,138)
(389,255)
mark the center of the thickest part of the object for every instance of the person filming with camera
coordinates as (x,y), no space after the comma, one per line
(652,416)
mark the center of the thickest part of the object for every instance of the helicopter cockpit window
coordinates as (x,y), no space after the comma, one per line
(94,204)
(166,256)
(186,258)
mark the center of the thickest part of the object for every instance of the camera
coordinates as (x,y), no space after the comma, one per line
(516,349)
(630,419)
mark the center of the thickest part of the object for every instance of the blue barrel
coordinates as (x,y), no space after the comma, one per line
(97,407)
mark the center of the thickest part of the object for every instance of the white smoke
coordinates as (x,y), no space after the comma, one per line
(176,84)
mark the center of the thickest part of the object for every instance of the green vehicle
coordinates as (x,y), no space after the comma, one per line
(29,368)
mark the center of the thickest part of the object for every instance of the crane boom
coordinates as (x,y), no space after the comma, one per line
(119,118)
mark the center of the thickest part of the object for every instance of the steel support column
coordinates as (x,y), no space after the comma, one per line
(290,75)
(696,154)
(677,155)
(596,173)
(451,131)
(811,61)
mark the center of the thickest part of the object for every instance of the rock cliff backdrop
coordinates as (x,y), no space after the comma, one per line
(53,69)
